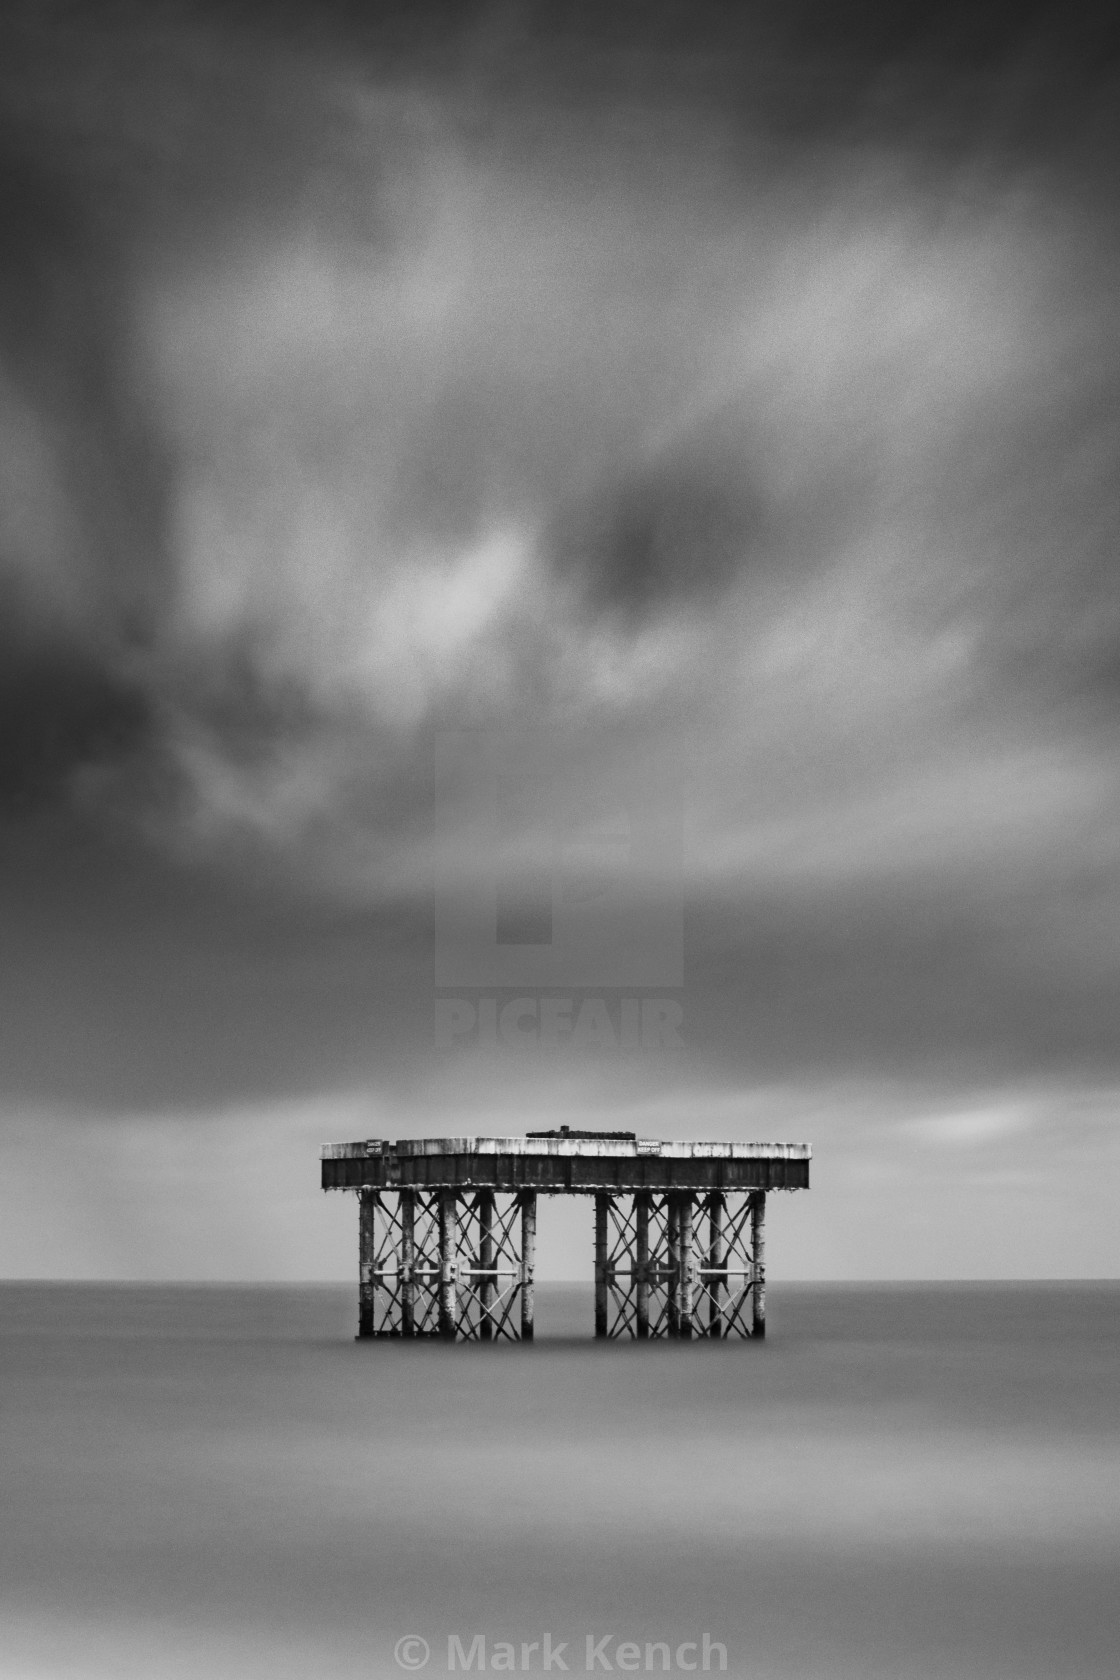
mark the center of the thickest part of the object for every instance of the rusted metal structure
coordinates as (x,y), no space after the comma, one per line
(447,1230)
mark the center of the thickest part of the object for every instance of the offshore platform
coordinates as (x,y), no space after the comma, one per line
(447,1230)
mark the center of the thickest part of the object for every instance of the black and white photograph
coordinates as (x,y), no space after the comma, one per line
(559,839)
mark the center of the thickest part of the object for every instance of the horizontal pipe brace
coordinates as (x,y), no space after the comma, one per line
(645,1274)
(419,1275)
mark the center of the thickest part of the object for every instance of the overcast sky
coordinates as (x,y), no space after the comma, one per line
(724,397)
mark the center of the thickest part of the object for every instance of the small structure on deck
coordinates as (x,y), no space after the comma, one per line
(447,1230)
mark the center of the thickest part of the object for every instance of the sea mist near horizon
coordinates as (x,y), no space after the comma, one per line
(901,1481)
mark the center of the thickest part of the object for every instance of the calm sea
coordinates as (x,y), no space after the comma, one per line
(902,1481)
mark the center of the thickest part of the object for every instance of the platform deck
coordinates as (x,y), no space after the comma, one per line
(567,1164)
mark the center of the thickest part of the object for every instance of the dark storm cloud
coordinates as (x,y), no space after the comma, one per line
(127,136)
(130,984)
(59,712)
(717,394)
(79,525)
(961,984)
(680,527)
(740,384)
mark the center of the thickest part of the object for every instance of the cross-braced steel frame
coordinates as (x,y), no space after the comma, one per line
(446,1263)
(680,1264)
(459,1263)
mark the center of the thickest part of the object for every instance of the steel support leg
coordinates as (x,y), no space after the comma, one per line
(367,1202)
(602,1212)
(485,1264)
(758,1264)
(715,1264)
(528,1260)
(448,1264)
(641,1265)
(686,1272)
(408,1262)
(673,1245)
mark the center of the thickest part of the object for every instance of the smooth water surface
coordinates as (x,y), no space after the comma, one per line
(902,1481)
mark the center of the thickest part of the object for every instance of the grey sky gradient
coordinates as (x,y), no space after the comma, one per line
(730,391)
